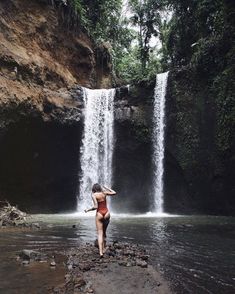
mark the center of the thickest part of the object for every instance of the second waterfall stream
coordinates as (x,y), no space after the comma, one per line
(97,144)
(158,137)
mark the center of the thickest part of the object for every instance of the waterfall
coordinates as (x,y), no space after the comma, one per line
(158,140)
(97,144)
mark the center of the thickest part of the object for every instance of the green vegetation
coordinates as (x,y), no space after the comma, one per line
(144,40)
(133,55)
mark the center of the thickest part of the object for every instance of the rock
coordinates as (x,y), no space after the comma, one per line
(141,263)
(85,267)
(67,277)
(73,226)
(36,225)
(129,264)
(27,254)
(79,282)
(129,252)
(122,263)
(25,262)
(53,263)
(96,243)
(144,257)
(50,226)
(70,266)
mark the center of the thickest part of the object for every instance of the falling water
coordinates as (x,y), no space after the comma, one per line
(158,140)
(97,143)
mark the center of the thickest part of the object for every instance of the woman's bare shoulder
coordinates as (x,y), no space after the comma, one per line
(99,195)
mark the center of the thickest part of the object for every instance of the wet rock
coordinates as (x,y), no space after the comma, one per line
(85,267)
(67,277)
(129,252)
(53,264)
(141,263)
(74,226)
(25,262)
(96,243)
(122,262)
(129,264)
(79,282)
(70,266)
(117,246)
(144,257)
(27,254)
(75,263)
(50,226)
(36,225)
(11,215)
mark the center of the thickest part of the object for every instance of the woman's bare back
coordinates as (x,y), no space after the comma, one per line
(100,196)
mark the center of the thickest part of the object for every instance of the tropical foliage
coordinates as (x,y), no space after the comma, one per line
(145,40)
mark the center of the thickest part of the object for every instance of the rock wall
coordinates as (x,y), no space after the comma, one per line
(201,144)
(132,153)
(42,60)
(133,174)
(199,171)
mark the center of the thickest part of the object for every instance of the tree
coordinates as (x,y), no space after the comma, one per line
(147,18)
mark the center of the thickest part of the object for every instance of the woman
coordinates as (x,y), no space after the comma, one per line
(102,214)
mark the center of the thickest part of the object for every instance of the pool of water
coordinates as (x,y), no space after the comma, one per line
(196,254)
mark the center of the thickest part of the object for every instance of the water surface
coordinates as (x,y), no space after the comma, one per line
(196,254)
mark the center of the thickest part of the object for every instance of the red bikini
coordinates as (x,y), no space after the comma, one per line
(102,208)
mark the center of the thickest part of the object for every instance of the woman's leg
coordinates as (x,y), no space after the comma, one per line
(105,226)
(99,226)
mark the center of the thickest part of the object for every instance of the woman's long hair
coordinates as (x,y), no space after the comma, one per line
(96,188)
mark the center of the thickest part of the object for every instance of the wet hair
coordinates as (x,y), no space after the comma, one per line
(96,188)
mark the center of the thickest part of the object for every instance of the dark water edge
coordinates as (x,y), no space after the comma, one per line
(196,254)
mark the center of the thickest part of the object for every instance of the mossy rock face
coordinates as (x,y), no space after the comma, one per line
(199,135)
(198,142)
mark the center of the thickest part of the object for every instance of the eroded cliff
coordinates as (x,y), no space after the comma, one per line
(43,58)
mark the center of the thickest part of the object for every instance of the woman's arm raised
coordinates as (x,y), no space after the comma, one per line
(108,191)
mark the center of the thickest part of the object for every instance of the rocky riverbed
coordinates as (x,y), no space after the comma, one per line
(125,268)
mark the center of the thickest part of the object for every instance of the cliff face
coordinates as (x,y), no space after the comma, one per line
(199,161)
(200,136)
(41,59)
(41,62)
(133,163)
(132,154)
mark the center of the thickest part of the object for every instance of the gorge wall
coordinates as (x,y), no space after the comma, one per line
(199,145)
(42,61)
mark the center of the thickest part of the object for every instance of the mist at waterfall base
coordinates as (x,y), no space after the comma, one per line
(98,144)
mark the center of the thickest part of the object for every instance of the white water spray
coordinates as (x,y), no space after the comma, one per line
(97,144)
(158,140)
